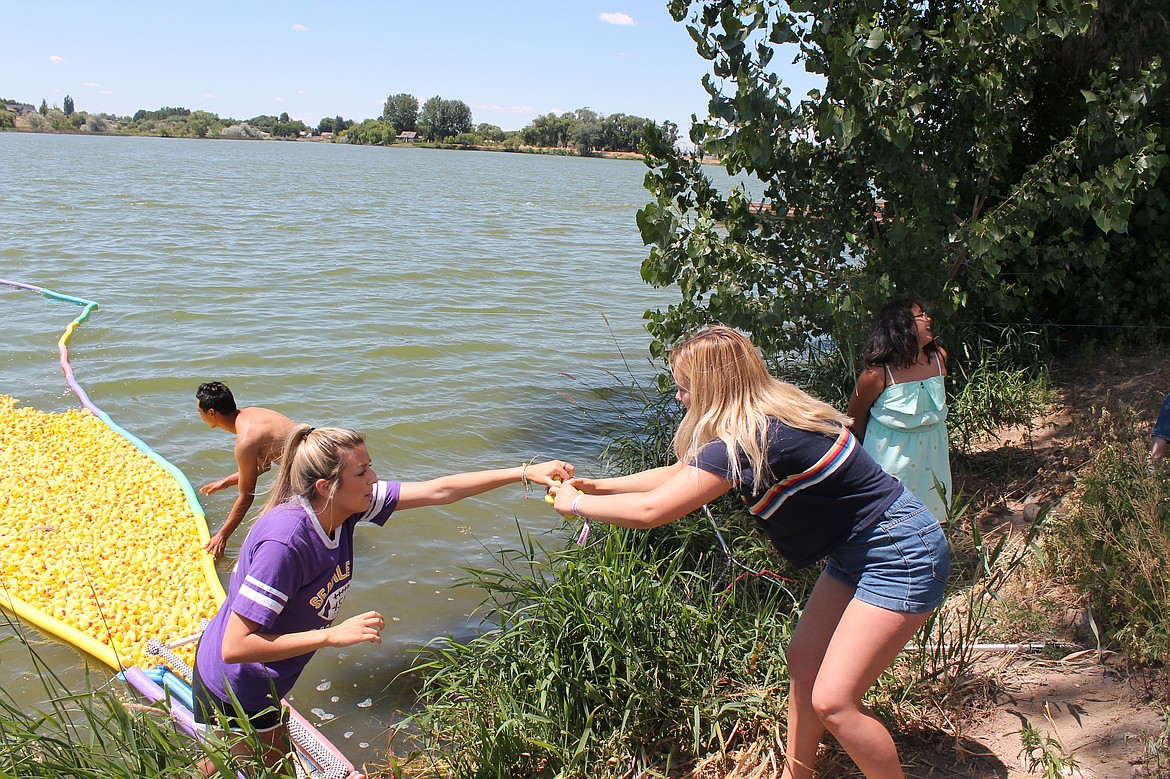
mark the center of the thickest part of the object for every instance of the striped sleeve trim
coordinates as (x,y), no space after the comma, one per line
(822,469)
(382,498)
(263,595)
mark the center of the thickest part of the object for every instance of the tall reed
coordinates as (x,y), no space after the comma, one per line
(1115,545)
(602,660)
(99,732)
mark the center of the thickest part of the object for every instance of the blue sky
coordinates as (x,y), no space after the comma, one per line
(510,61)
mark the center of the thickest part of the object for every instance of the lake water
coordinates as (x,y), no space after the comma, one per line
(450,305)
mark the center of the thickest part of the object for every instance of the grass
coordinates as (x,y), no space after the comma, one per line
(1046,753)
(998,381)
(1116,543)
(631,658)
(614,657)
(97,732)
(86,733)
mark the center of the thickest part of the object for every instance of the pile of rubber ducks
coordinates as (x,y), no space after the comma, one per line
(96,534)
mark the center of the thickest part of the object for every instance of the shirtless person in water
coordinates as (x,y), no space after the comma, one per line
(260,435)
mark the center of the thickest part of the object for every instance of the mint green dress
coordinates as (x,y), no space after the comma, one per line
(907,436)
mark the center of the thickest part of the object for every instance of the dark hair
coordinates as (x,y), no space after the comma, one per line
(893,337)
(215,396)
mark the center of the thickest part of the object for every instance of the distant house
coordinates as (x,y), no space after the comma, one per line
(408,136)
(20,109)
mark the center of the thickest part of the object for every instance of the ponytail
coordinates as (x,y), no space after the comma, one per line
(311,453)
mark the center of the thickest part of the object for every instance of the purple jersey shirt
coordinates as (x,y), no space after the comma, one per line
(291,577)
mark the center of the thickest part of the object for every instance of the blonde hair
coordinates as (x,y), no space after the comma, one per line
(733,396)
(311,453)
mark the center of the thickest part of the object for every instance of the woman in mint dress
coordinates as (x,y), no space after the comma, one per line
(899,406)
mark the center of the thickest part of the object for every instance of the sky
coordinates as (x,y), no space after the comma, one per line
(509,60)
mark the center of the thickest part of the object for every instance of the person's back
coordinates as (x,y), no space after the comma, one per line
(260,436)
(265,431)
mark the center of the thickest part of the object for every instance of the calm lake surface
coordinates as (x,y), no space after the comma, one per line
(450,305)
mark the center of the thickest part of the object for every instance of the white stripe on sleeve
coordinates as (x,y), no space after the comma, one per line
(266,588)
(260,598)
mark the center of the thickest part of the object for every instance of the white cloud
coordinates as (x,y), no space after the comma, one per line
(105,91)
(91,84)
(57,58)
(503,109)
(208,96)
(617,17)
(300,28)
(278,99)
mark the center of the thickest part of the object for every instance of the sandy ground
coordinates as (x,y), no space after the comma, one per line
(1108,718)
(1102,718)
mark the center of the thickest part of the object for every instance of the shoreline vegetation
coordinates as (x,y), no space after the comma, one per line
(440,124)
(692,678)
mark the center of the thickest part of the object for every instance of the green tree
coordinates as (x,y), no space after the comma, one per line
(401,110)
(548,130)
(489,132)
(289,129)
(165,112)
(334,125)
(44,109)
(440,119)
(1007,159)
(371,132)
(587,137)
(7,120)
(201,124)
(264,122)
(67,105)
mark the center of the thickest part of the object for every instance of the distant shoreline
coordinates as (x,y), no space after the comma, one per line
(551,151)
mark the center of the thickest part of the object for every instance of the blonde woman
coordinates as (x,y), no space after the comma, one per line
(294,570)
(816,493)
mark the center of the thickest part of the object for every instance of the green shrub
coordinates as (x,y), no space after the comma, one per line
(1115,545)
(998,379)
(603,659)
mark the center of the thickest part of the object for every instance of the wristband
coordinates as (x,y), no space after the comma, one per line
(573,508)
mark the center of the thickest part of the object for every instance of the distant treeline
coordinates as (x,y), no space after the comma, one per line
(437,121)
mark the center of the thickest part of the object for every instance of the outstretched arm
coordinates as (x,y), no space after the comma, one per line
(248,463)
(685,491)
(643,481)
(448,489)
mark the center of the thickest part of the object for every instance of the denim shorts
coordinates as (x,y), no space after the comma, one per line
(208,708)
(1162,426)
(899,562)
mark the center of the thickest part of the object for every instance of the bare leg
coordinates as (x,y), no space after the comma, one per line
(806,652)
(1157,452)
(866,641)
(274,744)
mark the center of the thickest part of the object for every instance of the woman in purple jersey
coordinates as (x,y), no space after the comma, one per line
(295,568)
(816,493)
